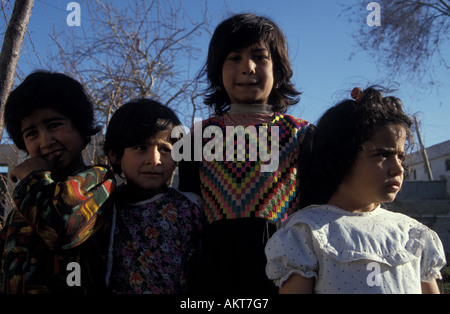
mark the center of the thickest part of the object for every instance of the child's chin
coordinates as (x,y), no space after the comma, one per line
(390,198)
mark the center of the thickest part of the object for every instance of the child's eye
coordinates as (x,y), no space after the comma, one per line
(53,125)
(140,148)
(383,155)
(165,149)
(234,57)
(29,134)
(261,57)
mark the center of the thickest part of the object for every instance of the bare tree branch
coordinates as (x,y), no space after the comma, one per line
(410,36)
(137,49)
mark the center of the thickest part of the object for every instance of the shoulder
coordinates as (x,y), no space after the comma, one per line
(400,218)
(292,119)
(324,217)
(214,120)
(315,216)
(99,170)
(200,125)
(97,178)
(417,230)
(293,125)
(192,197)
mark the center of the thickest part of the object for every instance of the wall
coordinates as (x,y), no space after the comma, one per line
(429,203)
(438,156)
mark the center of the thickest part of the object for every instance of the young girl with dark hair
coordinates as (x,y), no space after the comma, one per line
(349,243)
(63,209)
(155,228)
(250,89)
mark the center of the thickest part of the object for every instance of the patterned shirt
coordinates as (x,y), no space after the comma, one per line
(237,187)
(54,224)
(154,241)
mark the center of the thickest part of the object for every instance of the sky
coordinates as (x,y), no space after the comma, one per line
(320,46)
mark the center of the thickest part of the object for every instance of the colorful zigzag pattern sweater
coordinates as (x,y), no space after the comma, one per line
(237,188)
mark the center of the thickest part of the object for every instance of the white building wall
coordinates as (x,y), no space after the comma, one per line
(439,158)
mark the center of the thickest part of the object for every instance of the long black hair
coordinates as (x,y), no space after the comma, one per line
(340,134)
(244,30)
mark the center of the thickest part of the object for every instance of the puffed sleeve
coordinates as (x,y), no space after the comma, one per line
(290,251)
(433,257)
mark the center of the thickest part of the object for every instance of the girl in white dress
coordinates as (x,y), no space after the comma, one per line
(349,244)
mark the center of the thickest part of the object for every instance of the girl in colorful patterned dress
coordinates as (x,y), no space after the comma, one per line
(349,243)
(156,227)
(63,209)
(247,194)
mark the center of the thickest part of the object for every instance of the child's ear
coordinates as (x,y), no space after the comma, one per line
(115,162)
(113,158)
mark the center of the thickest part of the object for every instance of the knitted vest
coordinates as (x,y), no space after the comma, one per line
(237,188)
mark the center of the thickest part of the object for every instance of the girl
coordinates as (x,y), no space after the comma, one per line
(63,209)
(156,227)
(249,74)
(350,244)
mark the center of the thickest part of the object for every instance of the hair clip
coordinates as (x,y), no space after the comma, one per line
(357,94)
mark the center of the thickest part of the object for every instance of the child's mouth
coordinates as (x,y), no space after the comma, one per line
(54,155)
(247,84)
(151,174)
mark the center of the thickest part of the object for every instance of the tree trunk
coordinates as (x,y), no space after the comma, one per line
(12,45)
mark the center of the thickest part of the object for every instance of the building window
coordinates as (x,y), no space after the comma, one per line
(447,165)
(413,173)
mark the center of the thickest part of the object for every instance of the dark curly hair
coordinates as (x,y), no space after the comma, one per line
(57,91)
(244,30)
(135,122)
(340,134)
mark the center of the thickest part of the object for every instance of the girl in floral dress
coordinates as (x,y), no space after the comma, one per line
(156,227)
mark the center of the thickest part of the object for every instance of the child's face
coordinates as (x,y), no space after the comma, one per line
(148,165)
(247,75)
(52,136)
(377,174)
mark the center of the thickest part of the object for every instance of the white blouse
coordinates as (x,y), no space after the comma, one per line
(372,252)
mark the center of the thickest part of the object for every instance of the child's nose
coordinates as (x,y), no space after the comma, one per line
(154,157)
(248,66)
(397,167)
(46,139)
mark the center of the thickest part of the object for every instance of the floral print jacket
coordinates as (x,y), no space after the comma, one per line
(154,242)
